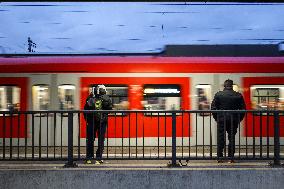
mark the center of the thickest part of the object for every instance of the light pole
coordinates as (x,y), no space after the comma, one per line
(31,45)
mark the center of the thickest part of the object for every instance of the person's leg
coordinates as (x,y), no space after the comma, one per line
(232,130)
(101,139)
(220,140)
(96,128)
(90,141)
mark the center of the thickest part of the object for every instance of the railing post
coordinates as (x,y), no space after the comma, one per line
(70,162)
(174,142)
(276,140)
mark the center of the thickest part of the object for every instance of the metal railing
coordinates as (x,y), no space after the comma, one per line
(142,135)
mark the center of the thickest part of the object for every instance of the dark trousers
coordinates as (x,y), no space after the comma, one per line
(231,128)
(95,129)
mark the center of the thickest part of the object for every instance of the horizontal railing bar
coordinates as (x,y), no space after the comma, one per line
(145,158)
(141,111)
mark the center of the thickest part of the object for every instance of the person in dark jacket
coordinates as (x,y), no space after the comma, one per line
(96,122)
(228,99)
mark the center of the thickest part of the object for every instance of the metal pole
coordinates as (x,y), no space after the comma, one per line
(70,162)
(174,157)
(276,140)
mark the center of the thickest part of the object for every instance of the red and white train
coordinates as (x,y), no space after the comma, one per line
(137,82)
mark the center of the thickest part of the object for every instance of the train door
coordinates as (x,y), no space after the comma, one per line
(53,92)
(41,90)
(66,97)
(13,98)
(204,126)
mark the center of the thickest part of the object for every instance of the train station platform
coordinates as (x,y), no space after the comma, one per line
(141,174)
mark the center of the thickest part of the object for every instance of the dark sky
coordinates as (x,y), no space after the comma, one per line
(108,27)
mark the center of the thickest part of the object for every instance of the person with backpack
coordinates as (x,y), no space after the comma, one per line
(96,122)
(228,99)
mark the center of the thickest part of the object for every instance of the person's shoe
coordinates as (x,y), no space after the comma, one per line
(88,161)
(231,161)
(98,162)
(220,158)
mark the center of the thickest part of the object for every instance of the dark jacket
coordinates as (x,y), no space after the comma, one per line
(89,105)
(228,99)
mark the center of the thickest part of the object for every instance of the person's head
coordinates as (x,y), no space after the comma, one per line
(228,84)
(101,90)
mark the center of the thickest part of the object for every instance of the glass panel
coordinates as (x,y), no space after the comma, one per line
(161,103)
(40,96)
(66,97)
(161,97)
(267,97)
(10,98)
(119,97)
(204,98)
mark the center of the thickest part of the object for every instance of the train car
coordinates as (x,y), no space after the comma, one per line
(183,77)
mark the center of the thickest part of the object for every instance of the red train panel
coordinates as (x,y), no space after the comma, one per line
(11,122)
(146,127)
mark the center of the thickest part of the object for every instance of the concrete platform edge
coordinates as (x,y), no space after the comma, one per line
(160,178)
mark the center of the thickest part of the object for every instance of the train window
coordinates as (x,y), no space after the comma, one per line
(40,97)
(161,97)
(66,97)
(118,95)
(267,97)
(204,98)
(9,98)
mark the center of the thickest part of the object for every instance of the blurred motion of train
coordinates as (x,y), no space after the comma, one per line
(183,77)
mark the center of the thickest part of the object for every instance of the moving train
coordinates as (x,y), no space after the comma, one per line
(183,77)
